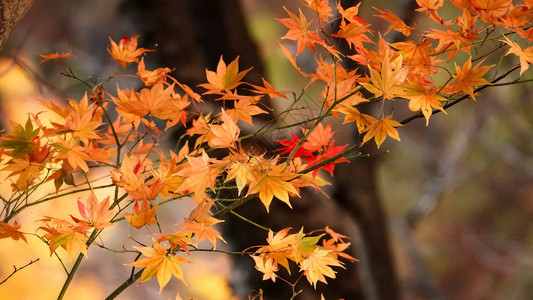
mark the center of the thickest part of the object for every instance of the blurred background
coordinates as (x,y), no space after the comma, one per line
(444,214)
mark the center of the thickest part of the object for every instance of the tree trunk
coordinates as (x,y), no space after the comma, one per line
(11,12)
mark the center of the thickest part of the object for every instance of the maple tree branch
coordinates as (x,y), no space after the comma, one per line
(15,269)
(74,268)
(233,206)
(244,218)
(125,285)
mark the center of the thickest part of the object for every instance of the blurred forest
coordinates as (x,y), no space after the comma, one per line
(444,214)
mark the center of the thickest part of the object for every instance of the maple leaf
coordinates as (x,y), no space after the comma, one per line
(299,31)
(291,144)
(352,114)
(387,83)
(239,171)
(244,110)
(70,237)
(279,247)
(353,33)
(126,51)
(55,56)
(321,7)
(422,99)
(157,100)
(525,55)
(268,89)
(159,263)
(226,77)
(492,10)
(266,266)
(76,156)
(317,265)
(150,78)
(20,141)
(272,182)
(11,231)
(450,37)
(320,137)
(83,120)
(397,23)
(430,7)
(201,173)
(468,77)
(326,153)
(226,134)
(202,229)
(291,59)
(379,129)
(142,216)
(72,242)
(96,214)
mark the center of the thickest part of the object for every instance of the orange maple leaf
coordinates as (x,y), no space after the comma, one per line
(299,31)
(201,173)
(354,33)
(268,89)
(525,55)
(226,77)
(379,129)
(11,231)
(243,110)
(142,216)
(321,7)
(397,23)
(55,56)
(422,99)
(320,137)
(151,77)
(159,263)
(202,229)
(468,77)
(226,134)
(126,51)
(96,214)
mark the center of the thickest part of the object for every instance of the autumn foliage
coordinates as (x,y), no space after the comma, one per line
(117,129)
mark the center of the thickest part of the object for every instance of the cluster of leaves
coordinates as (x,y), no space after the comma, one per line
(84,135)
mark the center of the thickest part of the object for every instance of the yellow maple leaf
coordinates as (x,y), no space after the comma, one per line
(159,263)
(273,182)
(379,129)
(317,265)
(266,266)
(423,100)
(387,83)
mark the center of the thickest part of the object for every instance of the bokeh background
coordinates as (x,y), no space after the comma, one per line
(444,214)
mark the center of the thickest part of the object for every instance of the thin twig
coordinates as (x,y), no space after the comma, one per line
(18,269)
